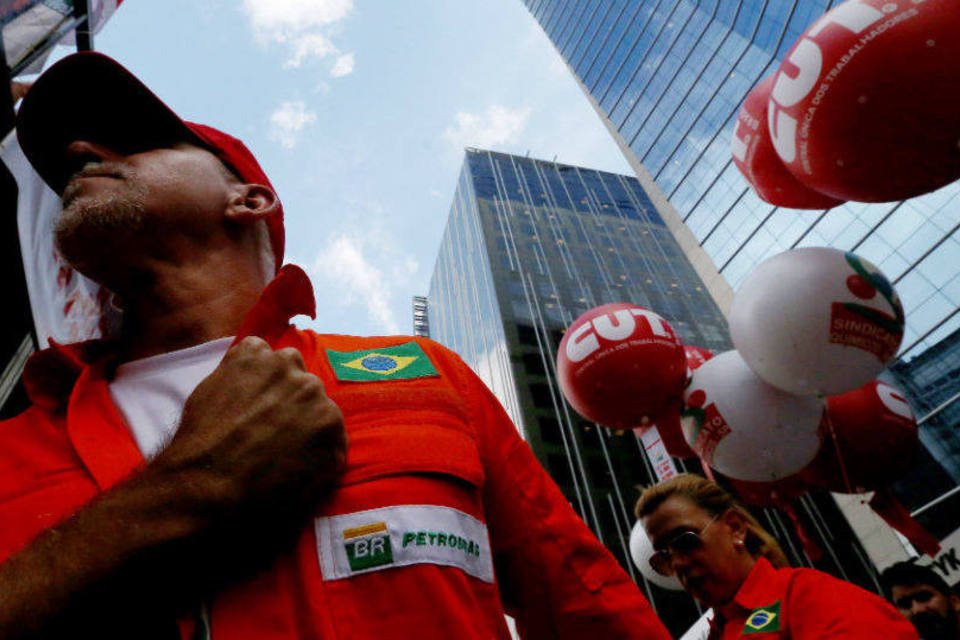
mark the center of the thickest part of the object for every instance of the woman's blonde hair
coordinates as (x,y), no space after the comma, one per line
(713,499)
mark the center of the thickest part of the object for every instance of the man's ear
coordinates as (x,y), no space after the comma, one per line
(252,203)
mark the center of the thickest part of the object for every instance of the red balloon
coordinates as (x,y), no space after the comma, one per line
(770,494)
(864,106)
(620,365)
(757,160)
(875,434)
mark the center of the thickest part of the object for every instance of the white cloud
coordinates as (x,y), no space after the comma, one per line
(409,268)
(498,125)
(288,120)
(282,18)
(304,27)
(558,68)
(343,66)
(342,268)
(309,45)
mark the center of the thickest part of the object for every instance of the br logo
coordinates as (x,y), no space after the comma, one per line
(368,546)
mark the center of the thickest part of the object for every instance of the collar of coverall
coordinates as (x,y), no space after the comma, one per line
(50,374)
(758,590)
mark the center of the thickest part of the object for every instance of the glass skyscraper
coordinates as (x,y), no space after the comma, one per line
(528,247)
(667,77)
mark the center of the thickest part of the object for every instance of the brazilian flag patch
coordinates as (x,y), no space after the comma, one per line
(763,620)
(402,362)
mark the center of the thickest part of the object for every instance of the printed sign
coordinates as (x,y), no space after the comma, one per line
(877,333)
(66,306)
(657,454)
(947,562)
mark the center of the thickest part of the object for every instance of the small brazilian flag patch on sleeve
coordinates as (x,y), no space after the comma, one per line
(402,362)
(763,620)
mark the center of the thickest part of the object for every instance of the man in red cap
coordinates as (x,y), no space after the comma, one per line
(191,478)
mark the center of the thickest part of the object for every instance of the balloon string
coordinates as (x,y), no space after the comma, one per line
(707,471)
(813,550)
(836,448)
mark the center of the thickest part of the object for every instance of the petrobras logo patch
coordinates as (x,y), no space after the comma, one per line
(368,546)
(356,543)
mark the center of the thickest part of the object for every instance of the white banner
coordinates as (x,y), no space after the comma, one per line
(35,23)
(657,454)
(947,562)
(66,306)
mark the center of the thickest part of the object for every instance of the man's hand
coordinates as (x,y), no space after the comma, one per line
(258,433)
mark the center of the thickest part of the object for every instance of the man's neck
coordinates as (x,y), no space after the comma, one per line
(176,307)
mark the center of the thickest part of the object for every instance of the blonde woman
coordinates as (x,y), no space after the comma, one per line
(727,561)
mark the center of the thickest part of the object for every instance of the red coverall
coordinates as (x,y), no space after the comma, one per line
(467,501)
(804,604)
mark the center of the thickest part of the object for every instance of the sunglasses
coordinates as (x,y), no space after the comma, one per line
(682,544)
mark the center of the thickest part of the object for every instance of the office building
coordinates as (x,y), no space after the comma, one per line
(529,246)
(421,320)
(667,78)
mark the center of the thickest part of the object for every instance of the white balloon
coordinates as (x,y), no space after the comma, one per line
(816,321)
(641,549)
(745,428)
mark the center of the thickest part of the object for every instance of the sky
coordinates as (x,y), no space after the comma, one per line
(359,111)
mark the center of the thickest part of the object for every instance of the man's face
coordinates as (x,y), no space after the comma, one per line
(117,205)
(933,613)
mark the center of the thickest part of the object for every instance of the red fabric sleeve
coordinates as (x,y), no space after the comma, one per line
(555,577)
(821,607)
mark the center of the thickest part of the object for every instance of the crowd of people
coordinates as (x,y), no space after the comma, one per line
(212,471)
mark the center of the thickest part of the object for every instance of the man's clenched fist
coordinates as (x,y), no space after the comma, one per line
(259,438)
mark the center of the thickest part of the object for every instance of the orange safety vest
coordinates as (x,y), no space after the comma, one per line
(442,521)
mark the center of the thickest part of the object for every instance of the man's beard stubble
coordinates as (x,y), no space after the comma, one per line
(92,229)
(933,626)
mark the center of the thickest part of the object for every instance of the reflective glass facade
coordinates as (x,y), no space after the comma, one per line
(668,76)
(932,380)
(528,247)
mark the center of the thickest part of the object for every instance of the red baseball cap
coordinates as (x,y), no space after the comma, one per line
(90,96)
